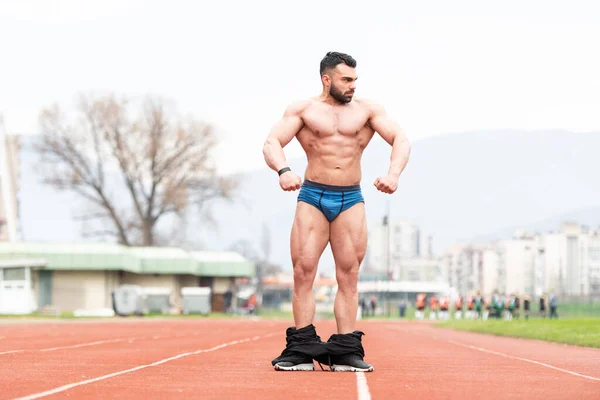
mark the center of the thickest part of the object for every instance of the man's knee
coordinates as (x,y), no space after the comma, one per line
(304,273)
(347,278)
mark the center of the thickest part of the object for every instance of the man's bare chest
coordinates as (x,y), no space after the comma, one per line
(331,121)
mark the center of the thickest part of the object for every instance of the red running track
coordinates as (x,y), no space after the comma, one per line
(230,358)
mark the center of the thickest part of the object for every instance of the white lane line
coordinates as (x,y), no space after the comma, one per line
(12,351)
(362,386)
(75,346)
(72,346)
(85,344)
(126,371)
(523,359)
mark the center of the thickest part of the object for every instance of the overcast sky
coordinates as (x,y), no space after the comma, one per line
(437,66)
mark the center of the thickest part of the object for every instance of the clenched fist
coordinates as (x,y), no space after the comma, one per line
(386,184)
(289,181)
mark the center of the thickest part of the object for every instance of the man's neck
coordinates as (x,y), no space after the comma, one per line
(327,99)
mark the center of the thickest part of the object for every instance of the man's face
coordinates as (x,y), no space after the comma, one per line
(343,83)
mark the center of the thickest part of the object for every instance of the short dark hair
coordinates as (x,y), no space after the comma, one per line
(334,58)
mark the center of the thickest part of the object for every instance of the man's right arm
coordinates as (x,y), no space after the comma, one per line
(281,134)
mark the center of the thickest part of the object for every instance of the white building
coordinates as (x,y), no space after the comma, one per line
(591,247)
(405,242)
(522,264)
(492,271)
(9,178)
(464,267)
(573,260)
(566,262)
(418,270)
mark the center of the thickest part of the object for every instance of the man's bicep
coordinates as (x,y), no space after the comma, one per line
(287,127)
(386,127)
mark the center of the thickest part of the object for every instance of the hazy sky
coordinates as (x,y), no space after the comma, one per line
(437,66)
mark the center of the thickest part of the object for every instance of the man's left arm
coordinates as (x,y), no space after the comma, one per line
(391,132)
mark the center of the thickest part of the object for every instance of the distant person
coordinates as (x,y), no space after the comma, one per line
(458,307)
(510,306)
(227,300)
(517,306)
(373,305)
(497,305)
(470,307)
(420,303)
(444,305)
(488,307)
(478,305)
(433,307)
(252,304)
(363,307)
(553,306)
(402,309)
(526,306)
(543,306)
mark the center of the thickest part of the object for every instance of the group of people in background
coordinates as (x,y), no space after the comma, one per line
(477,306)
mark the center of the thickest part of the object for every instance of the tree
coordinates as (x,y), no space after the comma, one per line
(133,164)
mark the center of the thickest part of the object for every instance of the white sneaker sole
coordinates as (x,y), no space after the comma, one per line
(349,368)
(298,367)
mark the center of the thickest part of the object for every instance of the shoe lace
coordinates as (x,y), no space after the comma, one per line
(328,362)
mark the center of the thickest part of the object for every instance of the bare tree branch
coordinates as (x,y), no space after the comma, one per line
(164,163)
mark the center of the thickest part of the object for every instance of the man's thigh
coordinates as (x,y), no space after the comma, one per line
(348,236)
(310,234)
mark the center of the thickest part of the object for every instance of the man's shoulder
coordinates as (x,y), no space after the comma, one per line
(370,105)
(297,107)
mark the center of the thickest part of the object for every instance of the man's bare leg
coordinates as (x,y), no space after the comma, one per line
(309,237)
(348,238)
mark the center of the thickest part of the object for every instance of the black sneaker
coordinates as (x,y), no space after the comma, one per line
(296,365)
(292,360)
(346,353)
(350,363)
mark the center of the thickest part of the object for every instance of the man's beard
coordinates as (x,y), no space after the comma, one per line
(339,96)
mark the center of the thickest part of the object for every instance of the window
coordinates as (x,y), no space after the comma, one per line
(14,274)
(413,276)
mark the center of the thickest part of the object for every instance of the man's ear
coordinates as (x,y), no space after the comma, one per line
(326,80)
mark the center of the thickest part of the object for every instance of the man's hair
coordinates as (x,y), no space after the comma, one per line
(334,58)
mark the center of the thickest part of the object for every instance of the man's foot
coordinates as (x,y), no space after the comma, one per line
(291,361)
(307,365)
(300,343)
(350,363)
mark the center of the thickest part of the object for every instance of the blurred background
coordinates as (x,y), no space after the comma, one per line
(132,179)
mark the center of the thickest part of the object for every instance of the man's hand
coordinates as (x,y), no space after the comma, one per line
(386,184)
(289,181)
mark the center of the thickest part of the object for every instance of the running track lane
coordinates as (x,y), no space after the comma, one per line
(35,371)
(38,335)
(412,360)
(226,372)
(233,372)
(419,361)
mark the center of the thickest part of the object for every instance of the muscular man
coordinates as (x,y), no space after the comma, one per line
(333,128)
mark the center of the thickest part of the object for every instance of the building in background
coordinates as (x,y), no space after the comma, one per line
(566,262)
(462,265)
(397,249)
(69,277)
(9,178)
